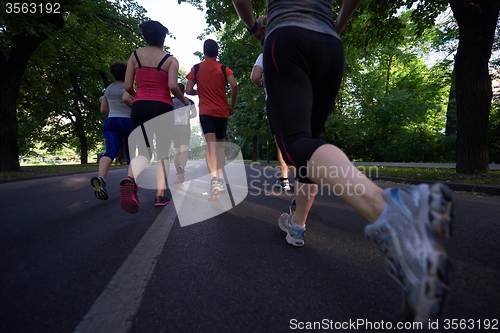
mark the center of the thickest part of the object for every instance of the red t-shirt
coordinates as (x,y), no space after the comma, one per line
(211,86)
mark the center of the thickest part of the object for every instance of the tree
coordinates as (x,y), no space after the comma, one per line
(65,75)
(477,23)
(378,24)
(20,36)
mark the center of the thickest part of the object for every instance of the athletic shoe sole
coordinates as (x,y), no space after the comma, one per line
(128,196)
(286,188)
(99,188)
(213,197)
(161,204)
(423,298)
(284,226)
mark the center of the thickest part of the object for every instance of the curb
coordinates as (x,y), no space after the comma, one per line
(48,175)
(464,187)
(473,188)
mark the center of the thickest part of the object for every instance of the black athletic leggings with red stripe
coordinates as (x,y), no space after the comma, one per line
(303,72)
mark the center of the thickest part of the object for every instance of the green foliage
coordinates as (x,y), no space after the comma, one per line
(494,133)
(391,109)
(391,106)
(59,103)
(249,124)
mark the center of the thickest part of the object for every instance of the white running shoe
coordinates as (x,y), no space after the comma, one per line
(283,184)
(294,236)
(419,221)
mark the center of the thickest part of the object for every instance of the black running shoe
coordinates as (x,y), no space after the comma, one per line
(161,201)
(99,185)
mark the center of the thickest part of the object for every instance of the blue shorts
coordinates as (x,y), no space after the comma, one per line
(116,132)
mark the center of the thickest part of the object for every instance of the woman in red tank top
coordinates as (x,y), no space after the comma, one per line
(155,73)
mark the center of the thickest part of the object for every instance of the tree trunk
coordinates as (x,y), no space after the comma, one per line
(477,23)
(255,152)
(11,73)
(451,122)
(388,76)
(12,68)
(78,123)
(451,111)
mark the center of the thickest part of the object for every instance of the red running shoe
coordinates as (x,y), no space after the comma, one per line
(161,201)
(128,195)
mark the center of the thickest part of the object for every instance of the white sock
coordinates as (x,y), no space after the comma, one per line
(297,226)
(384,216)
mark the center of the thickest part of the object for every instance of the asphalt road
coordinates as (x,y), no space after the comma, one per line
(72,263)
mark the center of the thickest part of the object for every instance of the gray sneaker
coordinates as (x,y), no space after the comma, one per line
(215,186)
(294,237)
(419,222)
(222,188)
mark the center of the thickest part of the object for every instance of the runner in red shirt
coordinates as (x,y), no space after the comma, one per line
(211,79)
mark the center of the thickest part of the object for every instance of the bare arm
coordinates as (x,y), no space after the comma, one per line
(104,105)
(348,8)
(190,88)
(256,76)
(128,84)
(127,99)
(245,11)
(194,111)
(234,93)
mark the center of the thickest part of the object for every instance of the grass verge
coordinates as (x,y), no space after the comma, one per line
(435,174)
(53,169)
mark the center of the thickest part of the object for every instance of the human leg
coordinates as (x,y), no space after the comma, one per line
(177,157)
(283,182)
(329,167)
(112,138)
(294,224)
(220,138)
(162,169)
(181,154)
(408,224)
(185,137)
(221,158)
(213,128)
(210,154)
(145,128)
(178,165)
(99,182)
(282,163)
(297,120)
(163,127)
(184,155)
(181,144)
(177,154)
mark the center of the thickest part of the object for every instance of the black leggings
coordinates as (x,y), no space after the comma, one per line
(303,72)
(153,128)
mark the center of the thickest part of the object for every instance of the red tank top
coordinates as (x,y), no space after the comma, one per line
(152,83)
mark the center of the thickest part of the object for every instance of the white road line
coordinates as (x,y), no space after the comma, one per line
(115,308)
